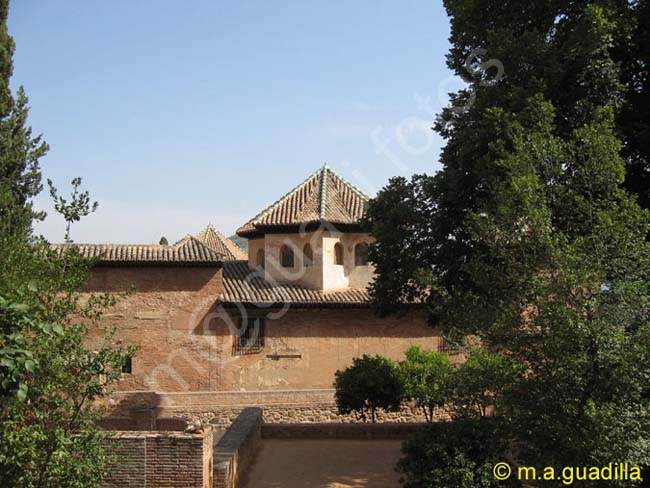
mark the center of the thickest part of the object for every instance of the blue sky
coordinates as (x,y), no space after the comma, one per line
(176,114)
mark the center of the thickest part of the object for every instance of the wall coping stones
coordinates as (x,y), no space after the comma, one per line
(232,398)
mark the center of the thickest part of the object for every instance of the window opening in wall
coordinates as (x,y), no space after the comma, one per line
(249,339)
(286,257)
(338,253)
(361,254)
(307,256)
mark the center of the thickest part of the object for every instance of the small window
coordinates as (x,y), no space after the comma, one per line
(338,253)
(286,257)
(127,365)
(307,256)
(444,345)
(260,258)
(361,254)
(249,339)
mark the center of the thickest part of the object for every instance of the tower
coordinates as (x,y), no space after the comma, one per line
(311,236)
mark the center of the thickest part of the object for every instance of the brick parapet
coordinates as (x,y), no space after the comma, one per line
(160,459)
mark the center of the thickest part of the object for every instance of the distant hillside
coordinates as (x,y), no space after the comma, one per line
(240,241)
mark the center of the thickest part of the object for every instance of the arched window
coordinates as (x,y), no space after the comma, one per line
(361,254)
(260,258)
(338,253)
(286,257)
(307,256)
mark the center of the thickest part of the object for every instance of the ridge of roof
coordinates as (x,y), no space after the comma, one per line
(323,190)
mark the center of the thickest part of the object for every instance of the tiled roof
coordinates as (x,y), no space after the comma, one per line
(245,286)
(323,197)
(216,241)
(189,251)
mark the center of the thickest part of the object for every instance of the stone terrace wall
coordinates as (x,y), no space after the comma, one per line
(235,451)
(280,406)
(161,460)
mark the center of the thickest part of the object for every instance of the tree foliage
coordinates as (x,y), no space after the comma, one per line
(51,372)
(529,237)
(458,454)
(20,177)
(482,382)
(427,377)
(371,383)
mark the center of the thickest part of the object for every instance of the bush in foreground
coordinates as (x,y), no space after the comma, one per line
(458,454)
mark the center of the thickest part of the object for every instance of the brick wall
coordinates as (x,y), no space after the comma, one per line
(166,317)
(185,338)
(161,460)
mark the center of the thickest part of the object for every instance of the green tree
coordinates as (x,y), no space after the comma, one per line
(369,384)
(163,241)
(458,454)
(20,177)
(51,372)
(631,52)
(482,382)
(527,237)
(427,377)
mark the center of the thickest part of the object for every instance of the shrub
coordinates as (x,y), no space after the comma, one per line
(370,383)
(457,454)
(427,379)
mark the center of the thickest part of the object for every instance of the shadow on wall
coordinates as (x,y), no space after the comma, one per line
(137,411)
(318,323)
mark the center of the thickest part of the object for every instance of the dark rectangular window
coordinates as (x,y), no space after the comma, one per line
(127,365)
(249,339)
(445,346)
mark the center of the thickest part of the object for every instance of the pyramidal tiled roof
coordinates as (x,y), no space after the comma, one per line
(189,251)
(323,197)
(216,241)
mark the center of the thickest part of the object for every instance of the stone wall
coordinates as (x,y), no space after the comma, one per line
(161,460)
(223,416)
(280,406)
(236,449)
